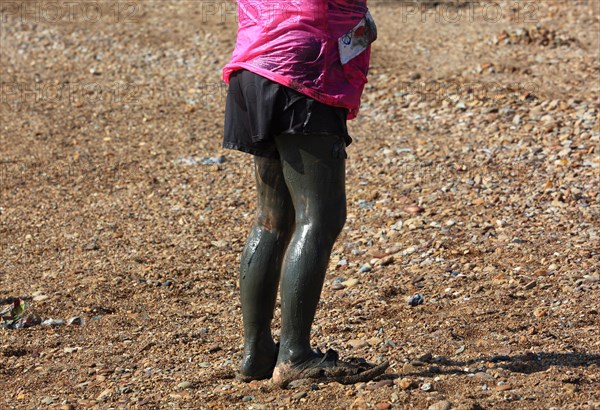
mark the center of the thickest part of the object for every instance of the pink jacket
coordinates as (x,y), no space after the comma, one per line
(301,44)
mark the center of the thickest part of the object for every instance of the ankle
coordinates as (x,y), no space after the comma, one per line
(254,347)
(295,355)
(258,340)
(258,360)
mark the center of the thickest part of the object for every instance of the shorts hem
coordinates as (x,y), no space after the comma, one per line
(252,151)
(346,137)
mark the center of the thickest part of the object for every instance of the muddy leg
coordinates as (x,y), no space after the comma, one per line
(314,171)
(260,268)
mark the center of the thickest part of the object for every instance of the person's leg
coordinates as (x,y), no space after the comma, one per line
(314,171)
(260,267)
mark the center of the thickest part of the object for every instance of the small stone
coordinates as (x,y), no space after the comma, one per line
(427,387)
(365,268)
(219,244)
(380,384)
(388,260)
(416,300)
(539,312)
(591,278)
(483,376)
(384,405)
(294,384)
(397,226)
(213,348)
(40,297)
(406,383)
(47,400)
(441,405)
(414,76)
(410,250)
(338,286)
(357,343)
(364,204)
(53,322)
(213,160)
(185,385)
(374,341)
(350,282)
(299,395)
(414,209)
(67,407)
(104,395)
(71,349)
(247,398)
(415,223)
(531,285)
(76,320)
(503,387)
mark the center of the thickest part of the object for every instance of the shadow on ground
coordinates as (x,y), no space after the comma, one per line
(528,363)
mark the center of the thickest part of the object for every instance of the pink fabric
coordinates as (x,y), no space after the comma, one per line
(295,43)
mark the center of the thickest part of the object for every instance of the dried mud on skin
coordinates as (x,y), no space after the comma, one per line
(473,180)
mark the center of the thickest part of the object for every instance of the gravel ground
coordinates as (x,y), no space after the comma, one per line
(473,180)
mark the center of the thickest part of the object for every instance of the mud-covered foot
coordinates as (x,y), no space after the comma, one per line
(258,364)
(327,368)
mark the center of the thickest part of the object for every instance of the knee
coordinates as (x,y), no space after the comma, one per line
(276,221)
(338,220)
(327,224)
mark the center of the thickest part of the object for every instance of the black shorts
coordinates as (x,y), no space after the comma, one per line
(258,109)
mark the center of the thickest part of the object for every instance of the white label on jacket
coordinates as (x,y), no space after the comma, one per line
(358,39)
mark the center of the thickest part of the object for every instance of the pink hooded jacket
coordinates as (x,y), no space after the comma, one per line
(301,44)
